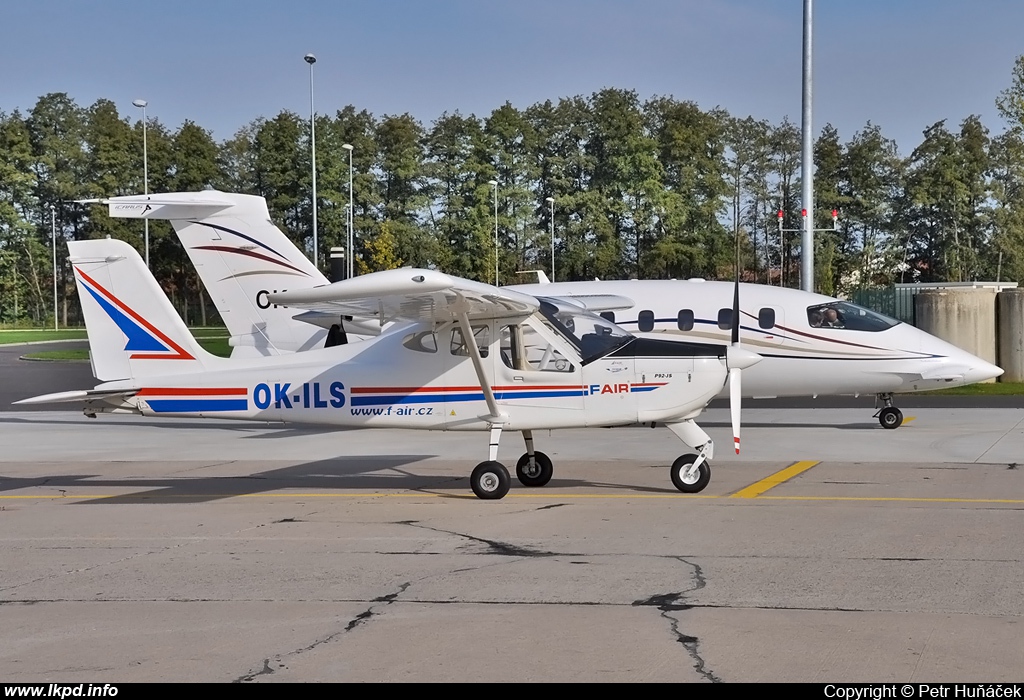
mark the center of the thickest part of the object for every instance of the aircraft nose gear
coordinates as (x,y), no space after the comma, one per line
(691,473)
(889,417)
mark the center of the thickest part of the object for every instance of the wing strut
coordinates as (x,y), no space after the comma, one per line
(478,365)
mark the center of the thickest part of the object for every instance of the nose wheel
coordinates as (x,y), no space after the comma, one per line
(687,479)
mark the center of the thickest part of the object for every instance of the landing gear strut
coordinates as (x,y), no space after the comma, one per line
(889,416)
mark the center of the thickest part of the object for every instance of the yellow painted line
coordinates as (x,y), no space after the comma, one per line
(908,419)
(756,489)
(907,499)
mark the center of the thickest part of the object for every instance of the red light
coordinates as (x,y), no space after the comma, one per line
(835,213)
(803,213)
(780,213)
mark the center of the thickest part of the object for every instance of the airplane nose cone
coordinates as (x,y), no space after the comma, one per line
(981,371)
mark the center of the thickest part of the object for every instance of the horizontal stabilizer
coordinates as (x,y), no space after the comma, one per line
(77,396)
(171,206)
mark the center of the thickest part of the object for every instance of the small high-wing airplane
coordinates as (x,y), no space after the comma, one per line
(242,259)
(455,355)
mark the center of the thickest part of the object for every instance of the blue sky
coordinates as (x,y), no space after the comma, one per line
(901,64)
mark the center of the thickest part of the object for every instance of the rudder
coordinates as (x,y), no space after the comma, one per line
(133,330)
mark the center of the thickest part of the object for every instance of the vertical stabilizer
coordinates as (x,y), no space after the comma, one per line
(241,257)
(134,332)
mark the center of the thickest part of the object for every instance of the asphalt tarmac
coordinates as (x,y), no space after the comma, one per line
(831,550)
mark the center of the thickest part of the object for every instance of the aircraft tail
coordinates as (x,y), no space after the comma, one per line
(241,258)
(134,332)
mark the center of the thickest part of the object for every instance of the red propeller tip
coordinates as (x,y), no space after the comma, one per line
(736,441)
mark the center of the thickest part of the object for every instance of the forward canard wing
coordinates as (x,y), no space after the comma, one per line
(411,294)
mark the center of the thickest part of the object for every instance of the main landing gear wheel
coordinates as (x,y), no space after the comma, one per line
(490,480)
(695,482)
(537,475)
(890,417)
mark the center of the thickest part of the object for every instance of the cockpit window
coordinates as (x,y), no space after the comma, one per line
(843,314)
(592,336)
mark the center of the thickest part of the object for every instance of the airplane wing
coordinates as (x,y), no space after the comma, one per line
(410,294)
(596,303)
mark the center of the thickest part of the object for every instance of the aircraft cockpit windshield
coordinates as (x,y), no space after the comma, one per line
(592,336)
(843,314)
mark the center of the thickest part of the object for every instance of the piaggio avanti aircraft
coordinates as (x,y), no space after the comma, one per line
(455,355)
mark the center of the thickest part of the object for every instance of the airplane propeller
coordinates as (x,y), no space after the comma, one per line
(737,359)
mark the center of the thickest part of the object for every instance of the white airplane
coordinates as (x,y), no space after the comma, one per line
(242,258)
(457,355)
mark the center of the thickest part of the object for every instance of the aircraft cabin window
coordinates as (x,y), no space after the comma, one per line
(483,341)
(424,341)
(847,316)
(523,348)
(608,316)
(685,320)
(725,319)
(645,321)
(766,318)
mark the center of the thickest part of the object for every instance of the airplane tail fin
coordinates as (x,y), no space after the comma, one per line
(134,332)
(241,257)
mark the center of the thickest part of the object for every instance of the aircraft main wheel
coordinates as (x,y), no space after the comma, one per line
(890,417)
(539,474)
(696,482)
(490,480)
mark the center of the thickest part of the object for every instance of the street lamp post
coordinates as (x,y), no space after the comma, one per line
(311,59)
(53,241)
(494,184)
(551,201)
(145,167)
(349,222)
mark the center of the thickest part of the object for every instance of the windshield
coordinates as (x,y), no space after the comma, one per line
(592,336)
(843,314)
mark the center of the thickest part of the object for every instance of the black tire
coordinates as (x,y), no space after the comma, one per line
(544,470)
(703,474)
(890,418)
(490,480)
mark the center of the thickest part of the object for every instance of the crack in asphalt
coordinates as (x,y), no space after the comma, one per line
(359,619)
(672,602)
(501,548)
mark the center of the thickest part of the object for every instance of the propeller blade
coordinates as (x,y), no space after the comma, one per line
(736,312)
(735,397)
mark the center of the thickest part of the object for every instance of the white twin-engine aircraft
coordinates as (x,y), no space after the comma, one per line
(456,355)
(812,345)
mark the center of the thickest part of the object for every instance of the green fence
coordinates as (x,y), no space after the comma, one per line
(895,302)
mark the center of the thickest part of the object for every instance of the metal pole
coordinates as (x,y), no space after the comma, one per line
(494,184)
(53,241)
(350,218)
(551,201)
(311,59)
(807,160)
(142,104)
